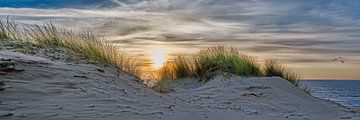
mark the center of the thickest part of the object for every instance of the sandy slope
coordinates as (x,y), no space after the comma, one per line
(49,89)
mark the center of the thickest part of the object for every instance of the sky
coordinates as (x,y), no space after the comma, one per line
(304,34)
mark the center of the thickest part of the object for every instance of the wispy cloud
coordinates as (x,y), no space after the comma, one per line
(308,29)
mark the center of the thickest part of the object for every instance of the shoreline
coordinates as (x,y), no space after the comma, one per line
(343,92)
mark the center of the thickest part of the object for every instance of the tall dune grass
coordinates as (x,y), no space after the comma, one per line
(274,68)
(210,61)
(83,43)
(204,65)
(216,60)
(220,59)
(306,88)
(178,68)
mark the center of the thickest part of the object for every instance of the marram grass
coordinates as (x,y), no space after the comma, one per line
(274,68)
(85,43)
(211,61)
(306,88)
(204,65)
(164,86)
(216,60)
(180,67)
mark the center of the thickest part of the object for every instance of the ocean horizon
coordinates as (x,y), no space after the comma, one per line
(180,59)
(344,92)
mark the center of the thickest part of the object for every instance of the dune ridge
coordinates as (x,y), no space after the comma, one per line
(56,75)
(41,87)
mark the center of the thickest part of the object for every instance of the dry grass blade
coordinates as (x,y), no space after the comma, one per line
(85,43)
(208,62)
(274,68)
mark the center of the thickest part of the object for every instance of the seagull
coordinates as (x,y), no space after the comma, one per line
(338,59)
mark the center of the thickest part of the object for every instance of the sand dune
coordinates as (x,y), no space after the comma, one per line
(42,88)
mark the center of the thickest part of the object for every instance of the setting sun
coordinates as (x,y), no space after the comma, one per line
(158,57)
(180,59)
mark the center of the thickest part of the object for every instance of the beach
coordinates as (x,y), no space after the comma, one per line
(42,87)
(179,60)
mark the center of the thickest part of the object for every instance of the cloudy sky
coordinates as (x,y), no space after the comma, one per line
(304,34)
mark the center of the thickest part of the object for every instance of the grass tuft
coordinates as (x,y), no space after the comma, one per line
(216,60)
(306,88)
(204,65)
(164,86)
(210,61)
(83,43)
(274,68)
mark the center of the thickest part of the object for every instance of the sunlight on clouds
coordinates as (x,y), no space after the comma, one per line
(286,30)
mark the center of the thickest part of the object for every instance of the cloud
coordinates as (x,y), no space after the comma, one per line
(273,26)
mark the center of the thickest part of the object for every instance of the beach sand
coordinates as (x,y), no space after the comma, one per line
(42,88)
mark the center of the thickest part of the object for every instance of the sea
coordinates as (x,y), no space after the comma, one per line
(344,92)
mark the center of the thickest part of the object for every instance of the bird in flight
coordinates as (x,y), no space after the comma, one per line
(338,59)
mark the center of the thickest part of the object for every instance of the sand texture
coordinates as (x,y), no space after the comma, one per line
(40,88)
